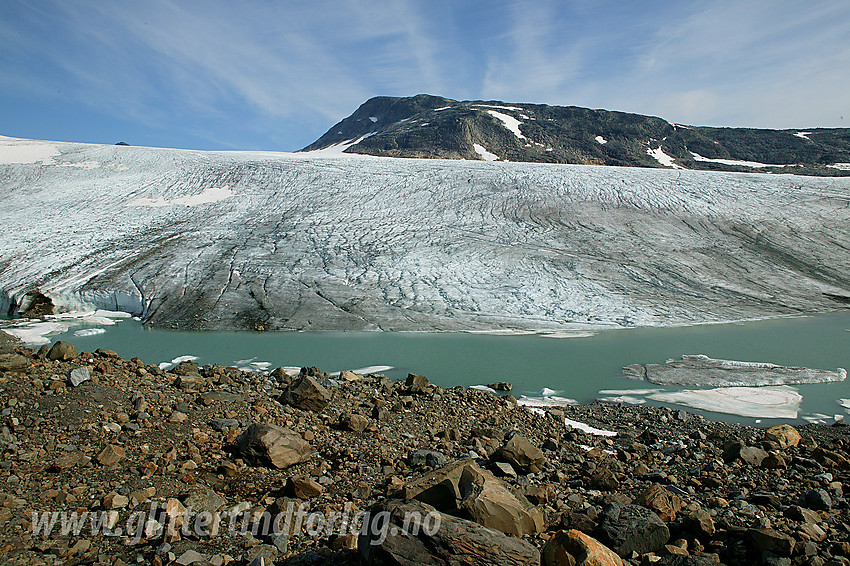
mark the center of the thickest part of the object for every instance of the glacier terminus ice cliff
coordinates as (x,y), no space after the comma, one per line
(321,240)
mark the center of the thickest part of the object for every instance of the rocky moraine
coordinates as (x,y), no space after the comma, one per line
(113,461)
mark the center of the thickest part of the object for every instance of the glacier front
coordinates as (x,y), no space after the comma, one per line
(272,241)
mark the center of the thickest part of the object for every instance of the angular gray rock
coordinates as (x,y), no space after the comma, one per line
(631,528)
(78,375)
(201,498)
(271,445)
(454,541)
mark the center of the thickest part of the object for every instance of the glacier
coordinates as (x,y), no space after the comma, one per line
(318,241)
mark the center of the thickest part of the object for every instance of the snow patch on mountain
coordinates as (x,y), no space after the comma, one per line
(753,164)
(510,123)
(662,158)
(600,140)
(485,155)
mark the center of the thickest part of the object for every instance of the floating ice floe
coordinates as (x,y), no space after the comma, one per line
(36,333)
(547,401)
(483,388)
(569,334)
(780,402)
(700,370)
(89,332)
(546,392)
(845,403)
(177,360)
(627,396)
(372,369)
(820,418)
(588,429)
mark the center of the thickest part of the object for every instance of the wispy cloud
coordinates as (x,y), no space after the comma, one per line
(277,74)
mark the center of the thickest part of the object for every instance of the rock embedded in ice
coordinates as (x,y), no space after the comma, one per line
(701,371)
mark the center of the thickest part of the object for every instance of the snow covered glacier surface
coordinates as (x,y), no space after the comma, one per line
(206,240)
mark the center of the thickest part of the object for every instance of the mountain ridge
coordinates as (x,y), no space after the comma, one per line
(434,127)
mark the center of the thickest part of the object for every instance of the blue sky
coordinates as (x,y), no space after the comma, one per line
(275,75)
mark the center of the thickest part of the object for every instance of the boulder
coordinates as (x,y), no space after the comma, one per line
(302,487)
(346,375)
(521,454)
(488,501)
(463,488)
(353,422)
(62,351)
(750,455)
(110,455)
(425,458)
(281,376)
(769,540)
(306,394)
(700,523)
(13,362)
(502,386)
(438,488)
(272,445)
(416,383)
(662,501)
(817,499)
(201,498)
(432,538)
(784,435)
(574,548)
(631,528)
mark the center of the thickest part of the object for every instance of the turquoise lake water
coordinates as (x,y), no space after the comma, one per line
(577,367)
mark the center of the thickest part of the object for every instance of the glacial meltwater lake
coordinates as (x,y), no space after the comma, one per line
(581,367)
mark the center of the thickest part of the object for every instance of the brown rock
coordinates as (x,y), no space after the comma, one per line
(353,422)
(346,375)
(13,362)
(783,435)
(267,444)
(521,454)
(303,487)
(771,541)
(663,502)
(416,383)
(110,455)
(574,548)
(62,351)
(411,541)
(306,394)
(488,501)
